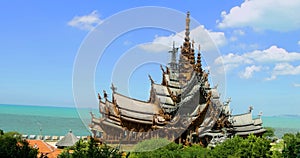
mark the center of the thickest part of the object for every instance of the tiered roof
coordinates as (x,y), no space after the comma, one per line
(184,99)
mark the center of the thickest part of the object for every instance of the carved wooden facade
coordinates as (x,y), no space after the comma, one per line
(183,108)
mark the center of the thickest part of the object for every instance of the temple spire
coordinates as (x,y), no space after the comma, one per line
(192,54)
(173,64)
(198,66)
(187,26)
(187,44)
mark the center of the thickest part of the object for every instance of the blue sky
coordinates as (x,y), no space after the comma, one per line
(259,43)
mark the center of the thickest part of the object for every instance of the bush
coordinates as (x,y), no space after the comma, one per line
(270,132)
(291,145)
(167,150)
(90,150)
(238,147)
(151,144)
(11,145)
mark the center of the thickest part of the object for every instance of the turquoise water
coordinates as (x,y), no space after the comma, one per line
(282,124)
(59,120)
(43,120)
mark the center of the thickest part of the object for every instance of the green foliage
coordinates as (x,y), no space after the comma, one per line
(151,144)
(291,145)
(251,146)
(195,151)
(255,147)
(230,147)
(237,147)
(270,132)
(11,145)
(170,150)
(90,150)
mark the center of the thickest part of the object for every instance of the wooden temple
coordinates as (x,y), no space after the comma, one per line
(183,108)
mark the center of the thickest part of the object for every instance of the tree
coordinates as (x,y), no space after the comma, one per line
(195,151)
(291,145)
(148,149)
(11,145)
(90,149)
(255,147)
(270,132)
(151,144)
(231,147)
(251,146)
(80,149)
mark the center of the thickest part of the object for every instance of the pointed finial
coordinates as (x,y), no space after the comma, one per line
(113,88)
(105,94)
(99,97)
(250,108)
(162,69)
(167,70)
(150,78)
(193,42)
(260,114)
(187,26)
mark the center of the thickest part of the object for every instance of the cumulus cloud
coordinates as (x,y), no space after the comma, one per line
(249,70)
(286,69)
(272,54)
(207,38)
(274,15)
(278,58)
(86,22)
(281,69)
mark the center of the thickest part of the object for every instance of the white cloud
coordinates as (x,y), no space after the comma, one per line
(233,59)
(235,35)
(277,15)
(155,47)
(239,32)
(249,70)
(296,85)
(206,38)
(86,22)
(286,69)
(277,58)
(273,77)
(272,54)
(282,69)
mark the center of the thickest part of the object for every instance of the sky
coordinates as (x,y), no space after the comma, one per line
(254,43)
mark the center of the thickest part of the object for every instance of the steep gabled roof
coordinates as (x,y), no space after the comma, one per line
(69,140)
(130,104)
(243,119)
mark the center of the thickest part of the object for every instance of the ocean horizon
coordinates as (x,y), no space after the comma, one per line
(55,120)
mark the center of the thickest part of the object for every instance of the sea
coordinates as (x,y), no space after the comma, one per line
(57,121)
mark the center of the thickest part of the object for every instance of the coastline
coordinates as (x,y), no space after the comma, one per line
(41,120)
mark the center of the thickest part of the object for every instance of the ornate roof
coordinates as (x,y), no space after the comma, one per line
(69,140)
(136,106)
(183,101)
